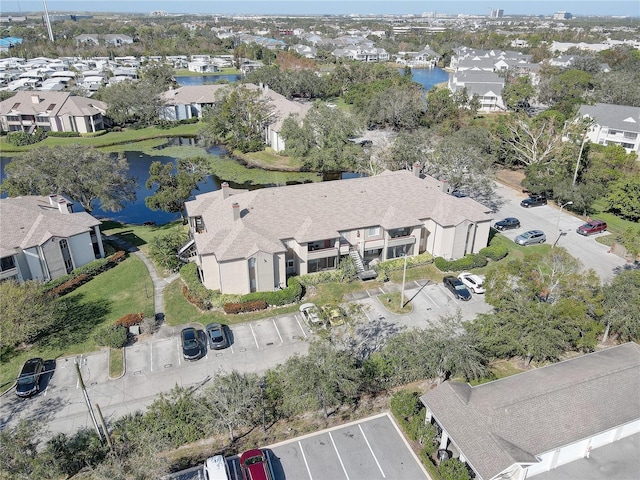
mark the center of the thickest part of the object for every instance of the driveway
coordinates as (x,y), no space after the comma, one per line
(560,226)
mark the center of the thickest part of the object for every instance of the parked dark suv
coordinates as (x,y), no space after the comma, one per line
(29,380)
(594,226)
(534,201)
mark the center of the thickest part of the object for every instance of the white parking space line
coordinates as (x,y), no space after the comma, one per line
(371,450)
(339,457)
(304,457)
(303,332)
(431,299)
(254,337)
(179,351)
(277,330)
(151,357)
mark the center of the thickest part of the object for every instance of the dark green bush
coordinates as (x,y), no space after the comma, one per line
(20,139)
(86,273)
(63,134)
(467,262)
(114,336)
(404,404)
(495,252)
(286,296)
(196,293)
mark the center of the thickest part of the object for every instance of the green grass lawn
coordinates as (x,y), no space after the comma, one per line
(139,235)
(622,231)
(124,138)
(124,289)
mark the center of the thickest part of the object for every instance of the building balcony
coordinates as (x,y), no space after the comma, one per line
(322,253)
(408,240)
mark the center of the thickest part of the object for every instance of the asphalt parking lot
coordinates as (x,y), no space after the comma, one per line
(372,448)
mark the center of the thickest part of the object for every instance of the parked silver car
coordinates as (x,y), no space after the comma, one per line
(530,237)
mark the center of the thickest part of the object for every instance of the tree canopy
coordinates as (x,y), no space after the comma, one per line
(82,174)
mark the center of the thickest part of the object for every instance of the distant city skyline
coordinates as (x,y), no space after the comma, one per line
(629,8)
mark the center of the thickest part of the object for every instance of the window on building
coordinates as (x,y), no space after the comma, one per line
(399,251)
(374,231)
(7,263)
(321,264)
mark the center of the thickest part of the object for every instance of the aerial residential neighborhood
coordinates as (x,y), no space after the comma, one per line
(246,245)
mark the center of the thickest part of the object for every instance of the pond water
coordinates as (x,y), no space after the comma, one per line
(427,77)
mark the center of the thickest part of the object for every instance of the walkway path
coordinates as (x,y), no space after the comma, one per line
(159,283)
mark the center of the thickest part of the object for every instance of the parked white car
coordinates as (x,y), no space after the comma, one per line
(310,312)
(475,283)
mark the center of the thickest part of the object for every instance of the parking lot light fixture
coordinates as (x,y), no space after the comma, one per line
(263,386)
(558,222)
(404,276)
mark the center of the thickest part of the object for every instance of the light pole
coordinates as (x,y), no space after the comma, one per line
(404,276)
(558,222)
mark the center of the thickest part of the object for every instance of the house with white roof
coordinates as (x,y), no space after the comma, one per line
(245,241)
(613,125)
(530,423)
(42,238)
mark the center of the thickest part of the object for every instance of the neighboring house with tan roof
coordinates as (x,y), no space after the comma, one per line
(51,111)
(532,422)
(42,238)
(190,101)
(245,241)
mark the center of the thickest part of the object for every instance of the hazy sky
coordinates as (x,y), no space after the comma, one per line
(315,7)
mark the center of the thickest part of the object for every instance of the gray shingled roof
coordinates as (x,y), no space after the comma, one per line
(192,94)
(617,117)
(31,220)
(316,211)
(513,419)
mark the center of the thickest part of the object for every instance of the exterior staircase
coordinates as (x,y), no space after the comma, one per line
(357,260)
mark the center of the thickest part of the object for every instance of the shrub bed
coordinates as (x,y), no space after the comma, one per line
(495,251)
(467,262)
(114,336)
(130,319)
(242,307)
(63,134)
(195,292)
(68,283)
(288,295)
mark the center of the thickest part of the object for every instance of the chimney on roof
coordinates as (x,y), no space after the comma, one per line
(416,169)
(236,210)
(53,200)
(225,190)
(35,99)
(444,185)
(64,206)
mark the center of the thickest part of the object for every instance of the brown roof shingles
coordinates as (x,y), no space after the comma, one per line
(317,211)
(31,220)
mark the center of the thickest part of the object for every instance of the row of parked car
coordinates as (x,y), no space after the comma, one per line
(462,285)
(254,465)
(193,347)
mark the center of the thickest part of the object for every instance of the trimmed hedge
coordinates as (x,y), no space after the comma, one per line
(467,262)
(495,252)
(286,296)
(63,134)
(242,307)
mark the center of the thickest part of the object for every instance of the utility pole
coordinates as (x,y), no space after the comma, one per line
(47,20)
(86,399)
(404,277)
(104,427)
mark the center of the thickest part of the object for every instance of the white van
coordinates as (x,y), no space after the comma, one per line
(216,468)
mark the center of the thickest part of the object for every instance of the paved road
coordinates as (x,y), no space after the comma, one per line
(549,218)
(372,448)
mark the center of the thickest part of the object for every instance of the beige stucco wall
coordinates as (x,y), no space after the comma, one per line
(210,271)
(234,276)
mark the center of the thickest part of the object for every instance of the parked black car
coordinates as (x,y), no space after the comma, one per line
(217,336)
(29,380)
(507,224)
(191,348)
(534,201)
(457,288)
